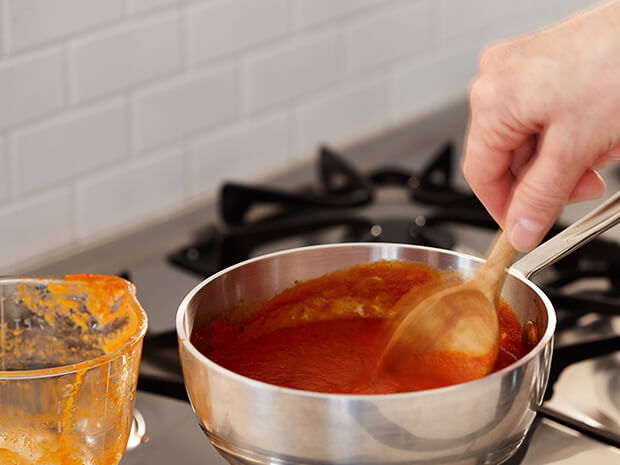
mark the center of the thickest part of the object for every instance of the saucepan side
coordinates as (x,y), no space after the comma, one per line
(482,421)
(259,423)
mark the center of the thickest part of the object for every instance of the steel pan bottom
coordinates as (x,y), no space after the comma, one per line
(512,453)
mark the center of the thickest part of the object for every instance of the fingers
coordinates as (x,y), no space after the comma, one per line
(487,171)
(490,164)
(538,85)
(497,143)
(608,158)
(522,155)
(535,185)
(614,153)
(546,184)
(591,186)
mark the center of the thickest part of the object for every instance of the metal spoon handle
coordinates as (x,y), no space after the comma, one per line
(587,228)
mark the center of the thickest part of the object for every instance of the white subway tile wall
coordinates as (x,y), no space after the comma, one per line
(351,108)
(73,144)
(301,66)
(36,22)
(36,226)
(384,38)
(425,84)
(220,89)
(243,151)
(312,12)
(456,18)
(30,86)
(121,196)
(119,59)
(184,106)
(222,28)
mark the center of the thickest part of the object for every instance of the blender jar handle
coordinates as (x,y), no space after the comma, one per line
(584,230)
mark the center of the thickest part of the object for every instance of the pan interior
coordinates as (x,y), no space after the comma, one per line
(241,289)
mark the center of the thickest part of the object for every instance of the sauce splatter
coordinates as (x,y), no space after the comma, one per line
(327,334)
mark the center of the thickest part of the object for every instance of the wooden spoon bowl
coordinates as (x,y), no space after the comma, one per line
(451,331)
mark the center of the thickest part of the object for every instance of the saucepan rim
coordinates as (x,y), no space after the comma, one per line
(184,339)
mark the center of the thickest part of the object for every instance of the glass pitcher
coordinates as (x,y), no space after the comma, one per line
(69,356)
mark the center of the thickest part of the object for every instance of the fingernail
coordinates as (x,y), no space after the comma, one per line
(525,234)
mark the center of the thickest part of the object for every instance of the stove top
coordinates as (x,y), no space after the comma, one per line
(403,186)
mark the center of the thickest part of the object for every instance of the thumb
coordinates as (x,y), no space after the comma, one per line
(542,189)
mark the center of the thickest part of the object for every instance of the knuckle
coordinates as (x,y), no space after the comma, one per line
(569,150)
(493,57)
(475,92)
(496,77)
(573,158)
(539,197)
(484,92)
(487,59)
(469,170)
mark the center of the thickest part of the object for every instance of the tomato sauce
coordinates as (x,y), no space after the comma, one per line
(328,334)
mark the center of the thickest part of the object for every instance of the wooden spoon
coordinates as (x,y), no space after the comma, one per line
(451,331)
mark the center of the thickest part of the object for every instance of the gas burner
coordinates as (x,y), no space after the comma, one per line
(331,204)
(219,248)
(405,232)
(433,185)
(342,186)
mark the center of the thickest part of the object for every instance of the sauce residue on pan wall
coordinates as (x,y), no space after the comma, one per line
(327,334)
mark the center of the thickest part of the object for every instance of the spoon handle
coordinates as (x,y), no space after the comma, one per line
(492,274)
(500,257)
(587,228)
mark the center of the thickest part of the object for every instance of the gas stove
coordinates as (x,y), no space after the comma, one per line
(403,186)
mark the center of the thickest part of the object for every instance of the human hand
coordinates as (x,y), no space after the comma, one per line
(545,113)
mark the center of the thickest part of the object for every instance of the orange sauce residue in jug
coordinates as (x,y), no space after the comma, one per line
(89,400)
(327,334)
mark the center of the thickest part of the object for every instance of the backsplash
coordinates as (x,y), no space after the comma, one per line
(115,113)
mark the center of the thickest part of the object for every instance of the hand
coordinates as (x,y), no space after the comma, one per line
(545,113)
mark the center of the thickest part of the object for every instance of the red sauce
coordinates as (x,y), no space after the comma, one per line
(327,335)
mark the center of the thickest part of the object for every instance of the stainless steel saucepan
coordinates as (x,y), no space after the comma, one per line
(482,421)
